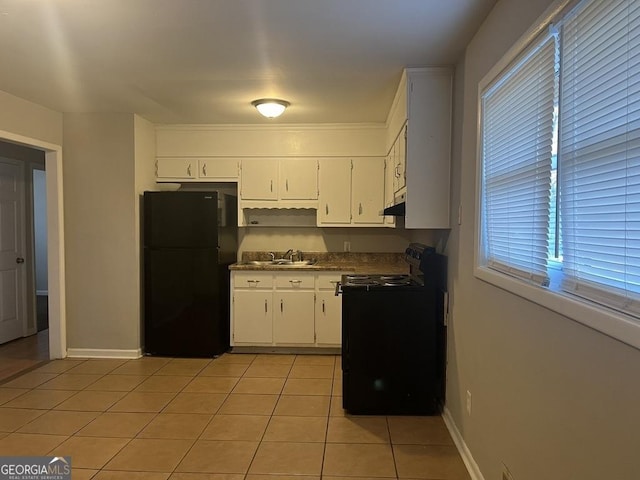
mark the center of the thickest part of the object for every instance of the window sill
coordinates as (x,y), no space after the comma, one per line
(609,322)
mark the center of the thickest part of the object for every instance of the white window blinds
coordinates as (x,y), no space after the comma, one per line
(600,152)
(517,131)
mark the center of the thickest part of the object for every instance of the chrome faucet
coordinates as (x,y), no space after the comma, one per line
(288,253)
(273,256)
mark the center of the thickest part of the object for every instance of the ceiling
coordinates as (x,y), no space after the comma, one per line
(204,61)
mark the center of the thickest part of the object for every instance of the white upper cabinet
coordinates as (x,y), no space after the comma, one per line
(367,190)
(399,149)
(420,139)
(351,192)
(286,180)
(171,168)
(299,179)
(196,169)
(334,202)
(218,169)
(259,179)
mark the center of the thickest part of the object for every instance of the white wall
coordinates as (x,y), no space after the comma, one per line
(145,179)
(551,398)
(28,119)
(103,301)
(311,239)
(271,140)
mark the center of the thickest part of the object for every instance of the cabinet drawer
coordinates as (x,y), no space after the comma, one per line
(260,280)
(327,281)
(303,280)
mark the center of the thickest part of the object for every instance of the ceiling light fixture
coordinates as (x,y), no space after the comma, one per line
(270,107)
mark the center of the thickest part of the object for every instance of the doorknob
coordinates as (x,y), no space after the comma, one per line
(19,260)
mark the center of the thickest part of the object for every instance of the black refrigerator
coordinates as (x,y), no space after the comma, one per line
(189,240)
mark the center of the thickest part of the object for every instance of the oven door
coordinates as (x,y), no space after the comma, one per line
(389,352)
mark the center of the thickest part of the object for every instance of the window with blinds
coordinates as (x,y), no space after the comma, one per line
(600,152)
(517,119)
(581,86)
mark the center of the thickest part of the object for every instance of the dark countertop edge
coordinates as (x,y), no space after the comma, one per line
(362,267)
(390,263)
(284,268)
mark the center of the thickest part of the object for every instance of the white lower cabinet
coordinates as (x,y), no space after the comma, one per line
(253,315)
(293,321)
(252,308)
(328,310)
(285,309)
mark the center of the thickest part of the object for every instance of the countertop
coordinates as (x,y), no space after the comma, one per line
(362,263)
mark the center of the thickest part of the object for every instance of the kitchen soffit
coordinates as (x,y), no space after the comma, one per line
(202,62)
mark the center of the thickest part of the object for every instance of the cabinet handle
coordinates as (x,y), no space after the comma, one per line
(360,209)
(189,170)
(322,306)
(326,208)
(265,306)
(295,282)
(281,306)
(397,171)
(271,187)
(286,183)
(204,169)
(255,282)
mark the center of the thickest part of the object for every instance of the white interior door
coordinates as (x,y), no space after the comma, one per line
(12,274)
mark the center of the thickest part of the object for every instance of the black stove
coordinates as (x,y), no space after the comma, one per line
(393,338)
(425,267)
(376,281)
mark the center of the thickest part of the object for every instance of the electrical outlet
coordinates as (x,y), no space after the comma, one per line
(347,246)
(468,402)
(506,474)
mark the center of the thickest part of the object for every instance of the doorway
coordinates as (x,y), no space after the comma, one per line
(24,334)
(57,344)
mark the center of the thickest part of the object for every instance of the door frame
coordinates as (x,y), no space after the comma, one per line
(55,239)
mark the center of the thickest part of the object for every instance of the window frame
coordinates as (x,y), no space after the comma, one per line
(605,320)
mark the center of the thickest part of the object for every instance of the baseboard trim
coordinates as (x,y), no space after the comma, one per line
(465,453)
(103,353)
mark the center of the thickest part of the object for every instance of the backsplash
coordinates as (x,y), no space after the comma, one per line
(333,257)
(314,239)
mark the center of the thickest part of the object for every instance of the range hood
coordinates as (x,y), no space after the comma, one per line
(397,210)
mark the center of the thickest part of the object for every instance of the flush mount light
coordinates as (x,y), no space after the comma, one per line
(270,107)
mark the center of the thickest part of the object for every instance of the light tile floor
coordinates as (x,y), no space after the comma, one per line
(22,354)
(237,417)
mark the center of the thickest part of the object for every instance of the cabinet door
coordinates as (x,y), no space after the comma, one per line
(334,179)
(389,172)
(219,169)
(367,190)
(252,317)
(259,179)
(176,168)
(298,179)
(293,322)
(401,158)
(328,318)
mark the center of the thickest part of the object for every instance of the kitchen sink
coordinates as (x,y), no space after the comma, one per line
(279,262)
(296,263)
